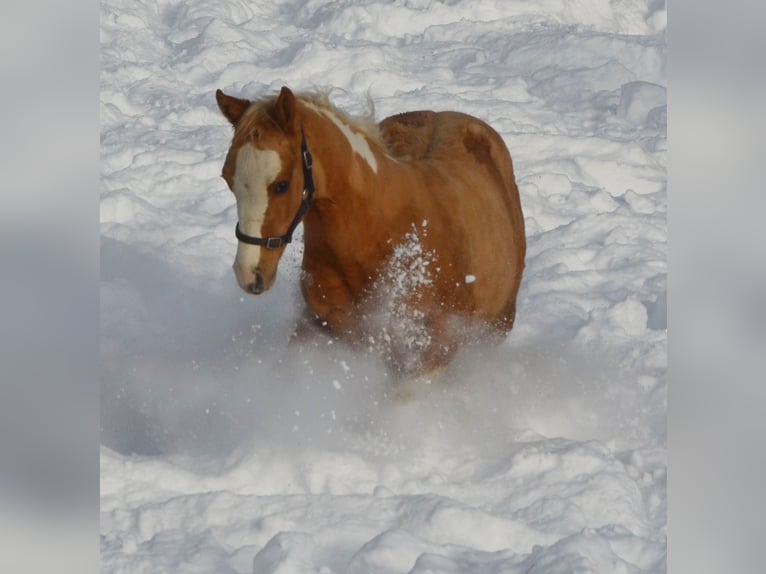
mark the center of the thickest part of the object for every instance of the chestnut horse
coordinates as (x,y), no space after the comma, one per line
(412,228)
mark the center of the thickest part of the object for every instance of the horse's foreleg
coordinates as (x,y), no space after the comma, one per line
(432,362)
(444,331)
(330,304)
(434,350)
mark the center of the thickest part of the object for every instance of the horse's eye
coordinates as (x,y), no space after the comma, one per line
(281,187)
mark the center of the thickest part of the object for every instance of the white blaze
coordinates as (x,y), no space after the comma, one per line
(255,170)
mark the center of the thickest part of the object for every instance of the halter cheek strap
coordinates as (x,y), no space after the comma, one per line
(277,241)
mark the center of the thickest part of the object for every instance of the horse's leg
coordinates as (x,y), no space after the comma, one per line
(330,305)
(503,324)
(416,373)
(510,315)
(444,331)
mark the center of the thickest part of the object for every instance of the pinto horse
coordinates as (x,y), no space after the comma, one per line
(413,230)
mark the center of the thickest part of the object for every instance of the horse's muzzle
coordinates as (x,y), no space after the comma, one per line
(259,285)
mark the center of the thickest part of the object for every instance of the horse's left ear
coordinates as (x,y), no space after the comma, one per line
(231,107)
(285,109)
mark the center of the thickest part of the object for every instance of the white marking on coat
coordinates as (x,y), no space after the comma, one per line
(357,141)
(255,170)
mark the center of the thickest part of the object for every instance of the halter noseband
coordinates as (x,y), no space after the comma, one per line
(277,241)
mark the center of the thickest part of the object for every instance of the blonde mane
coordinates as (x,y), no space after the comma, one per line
(365,124)
(262,110)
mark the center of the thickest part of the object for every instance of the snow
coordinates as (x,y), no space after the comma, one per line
(224,450)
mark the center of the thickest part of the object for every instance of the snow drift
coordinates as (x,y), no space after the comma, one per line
(223,450)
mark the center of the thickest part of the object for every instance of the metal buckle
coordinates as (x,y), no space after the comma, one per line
(274,242)
(307,159)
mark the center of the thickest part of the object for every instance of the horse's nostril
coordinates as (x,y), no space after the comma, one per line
(257,287)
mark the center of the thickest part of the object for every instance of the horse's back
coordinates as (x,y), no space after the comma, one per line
(449,137)
(409,136)
(484,208)
(419,135)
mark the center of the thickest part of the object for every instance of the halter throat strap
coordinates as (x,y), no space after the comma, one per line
(277,241)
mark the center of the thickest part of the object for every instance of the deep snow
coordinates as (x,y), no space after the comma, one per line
(225,451)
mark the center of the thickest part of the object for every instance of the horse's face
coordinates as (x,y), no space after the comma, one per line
(263,169)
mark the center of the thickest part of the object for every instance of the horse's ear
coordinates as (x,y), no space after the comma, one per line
(285,108)
(231,107)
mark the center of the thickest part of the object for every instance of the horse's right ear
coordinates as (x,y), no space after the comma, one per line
(232,108)
(285,108)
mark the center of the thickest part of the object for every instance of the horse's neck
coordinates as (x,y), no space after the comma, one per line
(351,161)
(349,212)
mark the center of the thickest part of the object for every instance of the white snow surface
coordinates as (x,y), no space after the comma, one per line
(224,450)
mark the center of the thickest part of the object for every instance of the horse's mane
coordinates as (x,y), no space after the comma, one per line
(263,110)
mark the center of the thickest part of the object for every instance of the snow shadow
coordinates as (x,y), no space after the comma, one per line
(203,369)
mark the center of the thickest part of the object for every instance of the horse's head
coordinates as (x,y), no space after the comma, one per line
(266,170)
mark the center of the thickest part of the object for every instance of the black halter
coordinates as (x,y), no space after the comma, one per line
(275,242)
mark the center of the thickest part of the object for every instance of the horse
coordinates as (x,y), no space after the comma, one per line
(413,229)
